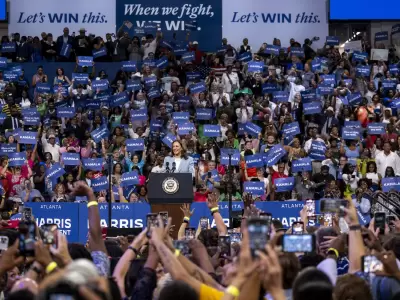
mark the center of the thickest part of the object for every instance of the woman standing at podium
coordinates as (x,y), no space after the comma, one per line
(179,161)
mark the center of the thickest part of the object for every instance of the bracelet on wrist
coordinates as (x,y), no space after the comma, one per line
(355,227)
(334,251)
(92,203)
(177,252)
(186,219)
(233,290)
(136,251)
(214,209)
(213,212)
(51,267)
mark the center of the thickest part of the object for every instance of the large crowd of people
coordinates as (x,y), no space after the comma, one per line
(299,123)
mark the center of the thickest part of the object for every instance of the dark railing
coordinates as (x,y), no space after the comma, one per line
(386,202)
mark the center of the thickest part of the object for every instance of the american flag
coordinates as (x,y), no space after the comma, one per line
(205,70)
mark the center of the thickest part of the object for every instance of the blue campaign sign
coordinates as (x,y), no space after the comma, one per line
(3,116)
(71,159)
(212,130)
(254,187)
(245,57)
(85,61)
(28,137)
(133,85)
(354,99)
(165,44)
(332,40)
(128,66)
(301,165)
(3,62)
(192,76)
(204,113)
(99,184)
(8,148)
(291,128)
(65,112)
(269,88)
(255,66)
(180,49)
(391,183)
(149,62)
(153,93)
(135,144)
(100,133)
(184,101)
(101,84)
(308,96)
(284,184)
(325,89)
(382,36)
(156,125)
(169,139)
(352,124)
(363,71)
(360,56)
(395,29)
(272,49)
(317,150)
(394,69)
(185,128)
(348,82)
(329,79)
(11,76)
(99,53)
(80,78)
(180,117)
(312,108)
(254,161)
(198,87)
(16,159)
(162,63)
(55,171)
(363,219)
(8,47)
(188,57)
(93,164)
(389,84)
(150,81)
(235,157)
(274,154)
(92,104)
(118,100)
(280,96)
(252,129)
(129,179)
(350,133)
(66,50)
(139,114)
(376,128)
(42,88)
(315,65)
(203,18)
(298,51)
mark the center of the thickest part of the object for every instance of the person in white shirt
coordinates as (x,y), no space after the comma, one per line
(387,158)
(230,80)
(219,96)
(167,80)
(51,146)
(150,45)
(295,88)
(307,145)
(158,168)
(244,113)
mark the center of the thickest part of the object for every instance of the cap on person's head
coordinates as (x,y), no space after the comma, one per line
(52,136)
(195,43)
(82,30)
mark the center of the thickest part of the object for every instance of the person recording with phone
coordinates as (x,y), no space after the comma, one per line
(179,161)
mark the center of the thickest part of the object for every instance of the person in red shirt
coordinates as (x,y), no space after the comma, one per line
(390,136)
(275,175)
(201,194)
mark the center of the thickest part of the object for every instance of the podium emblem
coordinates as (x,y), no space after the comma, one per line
(170,185)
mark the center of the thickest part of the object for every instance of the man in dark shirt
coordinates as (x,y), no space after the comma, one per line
(321,179)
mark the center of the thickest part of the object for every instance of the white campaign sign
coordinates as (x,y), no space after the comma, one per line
(33,18)
(379,54)
(263,20)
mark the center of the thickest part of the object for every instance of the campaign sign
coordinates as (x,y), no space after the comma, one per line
(92,104)
(118,100)
(180,117)
(184,101)
(354,99)
(254,187)
(99,53)
(42,88)
(235,157)
(348,82)
(188,57)
(252,129)
(291,128)
(308,96)
(389,84)
(66,50)
(298,51)
(329,79)
(363,219)
(391,183)
(94,164)
(254,161)
(269,88)
(192,76)
(99,184)
(16,159)
(312,108)
(363,71)
(55,171)
(101,84)
(301,165)
(133,85)
(180,49)
(128,66)
(394,69)
(272,49)
(352,124)
(85,61)
(165,44)
(325,89)
(317,150)
(71,159)
(65,112)
(139,114)
(27,137)
(315,65)
(100,133)
(129,179)
(212,130)
(80,78)
(162,63)
(332,40)
(3,116)
(274,154)
(245,57)
(376,128)
(150,82)
(149,62)
(3,62)
(255,66)
(382,36)
(8,148)
(198,87)
(360,56)
(185,128)
(395,29)
(135,144)
(169,139)
(11,76)
(350,133)
(284,184)
(204,113)
(8,47)
(280,96)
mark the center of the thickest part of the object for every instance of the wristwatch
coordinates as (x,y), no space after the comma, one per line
(355,227)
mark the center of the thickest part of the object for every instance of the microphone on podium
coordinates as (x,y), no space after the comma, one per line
(167,167)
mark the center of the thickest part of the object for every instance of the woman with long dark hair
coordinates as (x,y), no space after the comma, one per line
(178,161)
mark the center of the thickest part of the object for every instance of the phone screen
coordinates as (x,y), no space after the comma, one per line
(27,213)
(328,220)
(204,223)
(371,264)
(389,220)
(310,206)
(27,238)
(151,220)
(182,246)
(236,237)
(298,243)
(3,242)
(380,221)
(329,205)
(259,229)
(224,242)
(164,217)
(297,228)
(190,233)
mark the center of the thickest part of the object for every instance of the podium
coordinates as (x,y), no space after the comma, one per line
(167,192)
